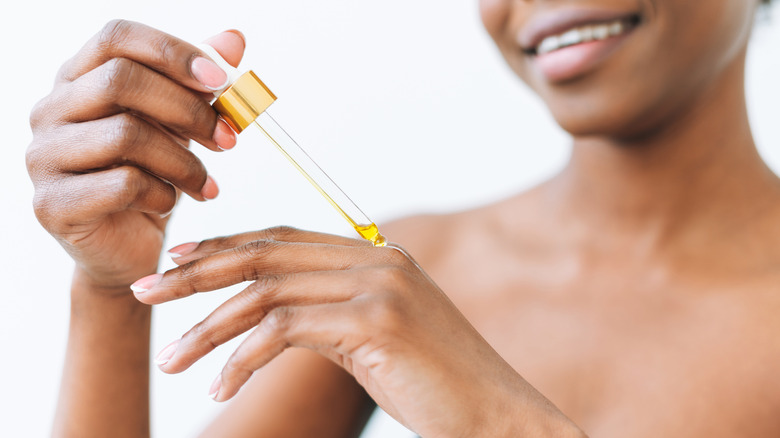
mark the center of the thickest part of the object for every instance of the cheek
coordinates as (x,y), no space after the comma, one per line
(495,14)
(499,17)
(708,36)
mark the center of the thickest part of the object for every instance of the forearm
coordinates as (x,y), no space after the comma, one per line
(105,382)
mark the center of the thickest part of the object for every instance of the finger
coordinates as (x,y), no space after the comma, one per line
(122,85)
(335,328)
(123,139)
(164,53)
(188,252)
(247,308)
(230,45)
(250,262)
(83,199)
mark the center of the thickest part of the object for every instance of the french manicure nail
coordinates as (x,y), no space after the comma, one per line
(210,189)
(215,386)
(224,137)
(182,250)
(146,283)
(166,354)
(208,73)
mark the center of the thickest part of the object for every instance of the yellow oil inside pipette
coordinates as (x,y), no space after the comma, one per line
(369,232)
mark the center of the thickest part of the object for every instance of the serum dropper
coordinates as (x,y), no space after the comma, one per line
(245,101)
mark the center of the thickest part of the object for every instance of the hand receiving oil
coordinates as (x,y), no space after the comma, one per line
(371,310)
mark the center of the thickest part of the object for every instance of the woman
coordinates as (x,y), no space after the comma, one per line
(634,294)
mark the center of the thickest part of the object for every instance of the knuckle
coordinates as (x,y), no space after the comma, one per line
(281,232)
(113,34)
(40,161)
(42,206)
(170,198)
(391,275)
(117,75)
(129,183)
(49,213)
(278,320)
(167,49)
(32,158)
(255,248)
(216,243)
(38,114)
(265,287)
(64,72)
(237,365)
(126,132)
(202,336)
(199,116)
(190,270)
(195,171)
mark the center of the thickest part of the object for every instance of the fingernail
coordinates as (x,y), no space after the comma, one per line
(182,250)
(239,34)
(210,189)
(208,73)
(167,353)
(224,137)
(215,386)
(146,283)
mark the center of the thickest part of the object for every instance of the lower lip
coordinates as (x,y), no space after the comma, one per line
(574,61)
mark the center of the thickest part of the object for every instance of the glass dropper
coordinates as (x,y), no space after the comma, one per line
(245,101)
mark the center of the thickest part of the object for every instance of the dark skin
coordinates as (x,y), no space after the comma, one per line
(631,295)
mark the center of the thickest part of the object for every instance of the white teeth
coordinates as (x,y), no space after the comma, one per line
(570,38)
(601,33)
(548,45)
(580,35)
(616,28)
(587,33)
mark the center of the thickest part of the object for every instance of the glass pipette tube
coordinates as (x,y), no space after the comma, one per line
(319,179)
(244,101)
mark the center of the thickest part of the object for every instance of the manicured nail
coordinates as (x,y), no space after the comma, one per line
(167,353)
(239,34)
(215,386)
(146,283)
(210,189)
(182,250)
(208,73)
(224,137)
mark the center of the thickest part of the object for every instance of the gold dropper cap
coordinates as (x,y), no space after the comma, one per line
(243,101)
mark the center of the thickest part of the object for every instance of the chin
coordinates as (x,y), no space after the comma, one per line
(617,112)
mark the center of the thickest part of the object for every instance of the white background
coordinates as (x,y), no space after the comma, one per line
(406,104)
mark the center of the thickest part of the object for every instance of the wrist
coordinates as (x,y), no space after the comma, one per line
(85,283)
(100,300)
(520,410)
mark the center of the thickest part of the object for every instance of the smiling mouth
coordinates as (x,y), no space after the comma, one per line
(584,34)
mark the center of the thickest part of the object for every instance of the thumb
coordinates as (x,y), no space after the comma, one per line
(230,45)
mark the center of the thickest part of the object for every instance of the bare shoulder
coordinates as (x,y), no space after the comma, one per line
(427,237)
(443,244)
(433,238)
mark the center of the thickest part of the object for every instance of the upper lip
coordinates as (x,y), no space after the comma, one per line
(553,22)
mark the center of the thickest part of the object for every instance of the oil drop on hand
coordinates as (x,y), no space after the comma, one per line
(244,102)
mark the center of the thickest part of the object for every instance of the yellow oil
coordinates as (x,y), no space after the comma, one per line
(369,232)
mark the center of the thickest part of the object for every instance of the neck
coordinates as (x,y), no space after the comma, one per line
(699,170)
